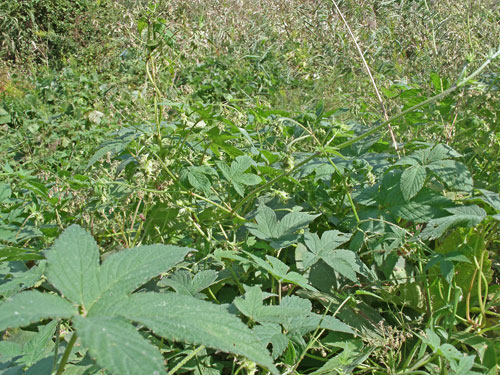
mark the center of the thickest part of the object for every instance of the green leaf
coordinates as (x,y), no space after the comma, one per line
(32,306)
(236,173)
(118,347)
(40,345)
(412,181)
(250,304)
(5,192)
(454,174)
(279,233)
(73,265)
(280,271)
(185,318)
(197,177)
(123,272)
(22,280)
(318,247)
(182,282)
(467,216)
(272,334)
(345,262)
(491,199)
(5,117)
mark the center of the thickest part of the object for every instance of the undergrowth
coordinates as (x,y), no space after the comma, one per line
(250,187)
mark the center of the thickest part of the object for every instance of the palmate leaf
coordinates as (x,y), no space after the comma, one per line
(236,173)
(182,282)
(32,306)
(279,270)
(345,262)
(74,267)
(294,313)
(188,319)
(118,347)
(280,233)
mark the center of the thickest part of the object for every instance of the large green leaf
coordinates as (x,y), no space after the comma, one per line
(30,307)
(412,181)
(125,271)
(279,233)
(74,265)
(467,216)
(118,347)
(453,173)
(186,318)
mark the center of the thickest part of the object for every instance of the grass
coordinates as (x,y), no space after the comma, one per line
(251,134)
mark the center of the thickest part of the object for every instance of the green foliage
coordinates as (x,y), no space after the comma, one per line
(322,247)
(103,295)
(44,29)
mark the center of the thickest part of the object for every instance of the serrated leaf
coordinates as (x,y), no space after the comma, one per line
(467,216)
(280,233)
(125,271)
(491,198)
(118,347)
(236,173)
(182,282)
(37,348)
(188,319)
(345,262)
(329,241)
(197,176)
(22,280)
(32,306)
(453,173)
(73,265)
(250,304)
(412,181)
(279,270)
(272,334)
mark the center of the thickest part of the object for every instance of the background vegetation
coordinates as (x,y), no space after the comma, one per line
(310,233)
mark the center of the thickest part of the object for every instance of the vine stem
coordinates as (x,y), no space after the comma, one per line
(375,129)
(186,359)
(66,354)
(368,70)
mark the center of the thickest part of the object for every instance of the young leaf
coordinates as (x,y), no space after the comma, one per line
(73,265)
(118,347)
(272,334)
(236,173)
(250,304)
(318,247)
(280,233)
(345,262)
(188,319)
(32,306)
(182,282)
